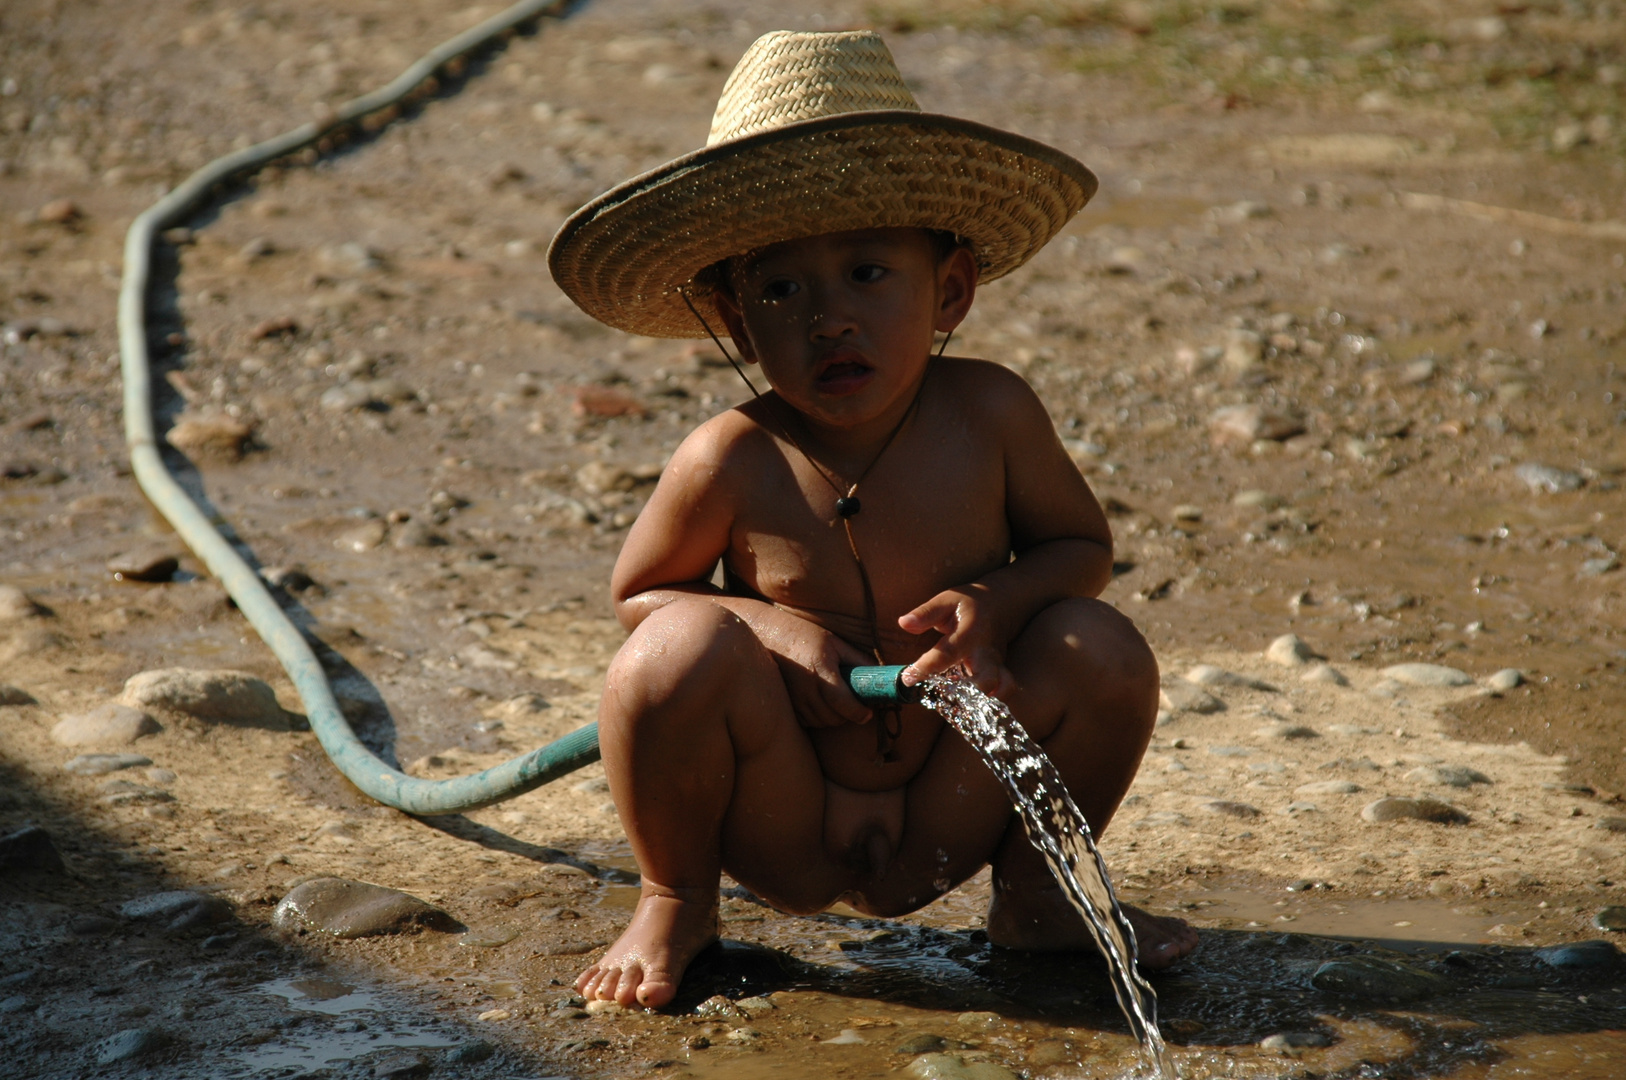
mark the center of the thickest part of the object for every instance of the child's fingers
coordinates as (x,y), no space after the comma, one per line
(940,613)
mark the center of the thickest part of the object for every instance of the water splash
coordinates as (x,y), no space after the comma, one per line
(1057,828)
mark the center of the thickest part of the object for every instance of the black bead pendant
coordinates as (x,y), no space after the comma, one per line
(848,505)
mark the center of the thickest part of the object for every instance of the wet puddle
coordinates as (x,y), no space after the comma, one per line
(333,1022)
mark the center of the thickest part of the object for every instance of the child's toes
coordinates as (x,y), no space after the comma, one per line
(624,991)
(656,990)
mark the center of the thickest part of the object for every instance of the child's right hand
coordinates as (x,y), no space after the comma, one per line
(810,660)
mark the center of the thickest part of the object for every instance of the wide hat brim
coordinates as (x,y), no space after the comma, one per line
(626,257)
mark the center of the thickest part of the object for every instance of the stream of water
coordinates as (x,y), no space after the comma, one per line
(1057,828)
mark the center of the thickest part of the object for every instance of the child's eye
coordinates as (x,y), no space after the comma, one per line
(780,289)
(868,273)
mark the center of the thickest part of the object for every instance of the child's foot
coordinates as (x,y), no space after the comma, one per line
(645,965)
(1044,921)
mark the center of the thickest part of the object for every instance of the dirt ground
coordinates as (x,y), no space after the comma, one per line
(1338,344)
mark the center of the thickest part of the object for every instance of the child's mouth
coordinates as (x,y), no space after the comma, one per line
(843,375)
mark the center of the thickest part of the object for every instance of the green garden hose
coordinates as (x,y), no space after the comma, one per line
(360,765)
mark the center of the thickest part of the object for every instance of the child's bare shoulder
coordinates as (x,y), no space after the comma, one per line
(720,454)
(991,392)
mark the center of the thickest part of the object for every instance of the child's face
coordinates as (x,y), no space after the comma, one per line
(842,324)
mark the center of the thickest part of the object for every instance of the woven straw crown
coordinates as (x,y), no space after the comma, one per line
(814,133)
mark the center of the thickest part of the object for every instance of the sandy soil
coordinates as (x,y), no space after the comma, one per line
(429,446)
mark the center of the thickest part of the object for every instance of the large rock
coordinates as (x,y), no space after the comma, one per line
(353,909)
(1376,978)
(29,849)
(111,723)
(1427,675)
(1580,955)
(1403,809)
(224,697)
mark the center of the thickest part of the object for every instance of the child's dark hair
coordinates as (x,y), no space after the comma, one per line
(717,278)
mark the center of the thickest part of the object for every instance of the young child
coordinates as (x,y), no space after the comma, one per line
(880,504)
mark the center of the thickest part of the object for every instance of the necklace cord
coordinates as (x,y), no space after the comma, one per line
(889,720)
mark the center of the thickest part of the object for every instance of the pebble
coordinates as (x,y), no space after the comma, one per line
(955,1067)
(1294,1042)
(493,1015)
(1328,787)
(1611,824)
(1229,809)
(923,1043)
(1289,651)
(347,397)
(364,537)
(604,402)
(230,697)
(1436,675)
(1403,809)
(1580,955)
(128,1045)
(602,477)
(1324,674)
(1246,424)
(124,792)
(1502,681)
(1600,566)
(144,564)
(415,534)
(1258,499)
(15,1004)
(353,909)
(29,849)
(1544,478)
(101,764)
(402,1065)
(1210,675)
(16,605)
(1457,776)
(109,723)
(1286,730)
(754,1006)
(848,1037)
(1293,809)
(1376,978)
(1612,917)
(291,579)
(12,695)
(58,212)
(1179,696)
(471,1053)
(212,438)
(179,909)
(603,1008)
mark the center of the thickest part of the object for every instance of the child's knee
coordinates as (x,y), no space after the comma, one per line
(683,642)
(1093,641)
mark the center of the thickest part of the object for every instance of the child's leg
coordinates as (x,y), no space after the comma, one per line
(1088,691)
(707,764)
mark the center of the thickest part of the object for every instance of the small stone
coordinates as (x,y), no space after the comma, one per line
(353,909)
(471,1053)
(493,1015)
(1210,675)
(1189,513)
(754,1006)
(955,1067)
(1431,675)
(1289,651)
(1293,1043)
(1328,787)
(1229,809)
(1612,917)
(124,792)
(402,1065)
(1611,824)
(1293,809)
(1243,349)
(290,579)
(1246,424)
(1376,979)
(601,478)
(364,537)
(1457,776)
(128,1045)
(101,764)
(146,564)
(604,402)
(12,695)
(603,1008)
(17,1003)
(279,326)
(1179,696)
(226,697)
(1403,809)
(58,212)
(1323,674)
(1599,566)
(210,438)
(1286,730)
(1544,478)
(29,849)
(1580,955)
(415,534)
(109,723)
(848,1037)
(347,397)
(179,909)
(16,605)
(922,1044)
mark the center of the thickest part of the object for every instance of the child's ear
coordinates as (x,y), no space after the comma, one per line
(729,311)
(956,288)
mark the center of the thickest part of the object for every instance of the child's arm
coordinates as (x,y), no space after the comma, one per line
(674,547)
(1059,535)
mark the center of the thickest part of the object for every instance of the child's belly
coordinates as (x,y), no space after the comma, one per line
(849,754)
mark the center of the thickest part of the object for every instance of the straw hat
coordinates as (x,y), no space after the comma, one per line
(814,133)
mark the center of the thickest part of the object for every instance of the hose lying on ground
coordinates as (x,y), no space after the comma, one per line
(363,768)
